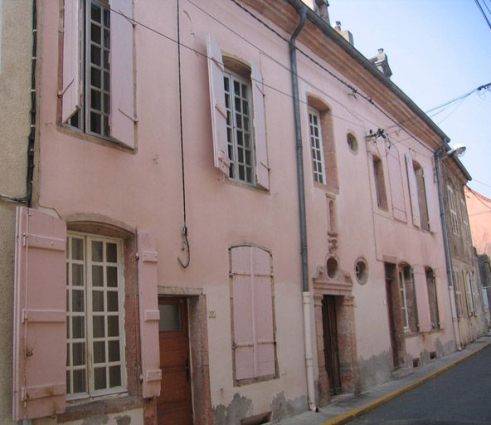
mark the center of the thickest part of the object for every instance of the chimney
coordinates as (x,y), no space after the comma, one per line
(322,10)
(345,34)
(381,62)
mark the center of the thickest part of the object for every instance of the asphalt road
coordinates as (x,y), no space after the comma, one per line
(461,395)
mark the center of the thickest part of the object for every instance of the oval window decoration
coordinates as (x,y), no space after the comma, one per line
(361,271)
(352,142)
(332,267)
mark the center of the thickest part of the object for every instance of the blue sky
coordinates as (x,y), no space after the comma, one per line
(437,50)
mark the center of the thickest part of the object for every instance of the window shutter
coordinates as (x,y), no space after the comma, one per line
(422,303)
(432,202)
(243,313)
(263,311)
(71,92)
(441,305)
(262,167)
(413,191)
(396,187)
(122,118)
(149,315)
(217,106)
(39,363)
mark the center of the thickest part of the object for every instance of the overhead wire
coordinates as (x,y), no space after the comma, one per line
(483,13)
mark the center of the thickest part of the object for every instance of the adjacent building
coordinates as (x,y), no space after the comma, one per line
(234,217)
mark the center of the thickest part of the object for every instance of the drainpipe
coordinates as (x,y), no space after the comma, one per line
(306,295)
(439,155)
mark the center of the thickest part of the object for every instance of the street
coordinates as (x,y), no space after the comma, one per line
(458,396)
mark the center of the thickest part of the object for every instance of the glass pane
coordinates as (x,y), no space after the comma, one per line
(77,301)
(99,352)
(107,21)
(95,55)
(96,100)
(79,381)
(78,327)
(97,276)
(113,325)
(97,251)
(114,351)
(97,301)
(170,318)
(99,327)
(96,13)
(95,123)
(95,34)
(107,81)
(107,104)
(106,59)
(77,274)
(115,376)
(107,39)
(77,249)
(68,327)
(112,301)
(112,277)
(78,352)
(100,378)
(111,253)
(68,382)
(68,354)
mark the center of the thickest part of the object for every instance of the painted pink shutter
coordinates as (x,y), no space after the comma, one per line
(413,191)
(217,106)
(441,306)
(39,366)
(432,201)
(262,167)
(149,315)
(422,301)
(396,187)
(122,118)
(263,312)
(71,60)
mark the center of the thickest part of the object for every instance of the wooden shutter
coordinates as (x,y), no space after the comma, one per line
(39,352)
(149,314)
(259,120)
(413,191)
(423,306)
(396,187)
(122,118)
(254,344)
(217,106)
(432,201)
(439,285)
(71,91)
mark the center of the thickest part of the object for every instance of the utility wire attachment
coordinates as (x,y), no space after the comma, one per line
(185,247)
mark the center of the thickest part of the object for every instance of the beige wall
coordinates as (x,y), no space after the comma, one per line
(15,73)
(479,208)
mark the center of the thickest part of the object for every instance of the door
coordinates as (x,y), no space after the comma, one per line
(174,406)
(331,347)
(394,310)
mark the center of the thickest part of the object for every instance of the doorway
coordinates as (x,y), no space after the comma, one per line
(331,344)
(174,405)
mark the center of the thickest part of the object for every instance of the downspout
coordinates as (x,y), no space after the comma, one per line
(448,256)
(306,295)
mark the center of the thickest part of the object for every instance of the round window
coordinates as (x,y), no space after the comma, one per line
(361,271)
(352,142)
(332,267)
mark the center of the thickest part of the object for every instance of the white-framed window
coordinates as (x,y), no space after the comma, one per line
(379,177)
(432,298)
(95,316)
(317,146)
(469,295)
(404,306)
(239,129)
(452,205)
(465,219)
(97,87)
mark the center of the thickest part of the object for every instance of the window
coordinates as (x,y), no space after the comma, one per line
(95,328)
(97,93)
(421,191)
(469,296)
(465,219)
(452,205)
(408,300)
(395,184)
(238,118)
(252,314)
(422,195)
(316,144)
(380,192)
(352,142)
(432,298)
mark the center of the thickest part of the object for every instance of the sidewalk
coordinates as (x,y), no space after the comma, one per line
(343,410)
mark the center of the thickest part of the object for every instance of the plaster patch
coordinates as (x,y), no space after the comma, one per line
(375,370)
(96,420)
(283,408)
(123,420)
(239,408)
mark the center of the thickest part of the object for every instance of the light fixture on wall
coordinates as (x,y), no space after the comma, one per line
(457,151)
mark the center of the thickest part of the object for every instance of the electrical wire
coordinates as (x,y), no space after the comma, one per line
(483,12)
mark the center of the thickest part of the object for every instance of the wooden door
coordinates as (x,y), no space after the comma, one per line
(331,347)
(174,406)
(395,315)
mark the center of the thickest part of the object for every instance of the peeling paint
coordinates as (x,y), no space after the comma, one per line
(96,420)
(283,408)
(123,420)
(375,370)
(239,408)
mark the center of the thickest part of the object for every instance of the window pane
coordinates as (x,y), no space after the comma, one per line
(95,34)
(113,325)
(98,325)
(100,378)
(115,376)
(78,301)
(77,274)
(112,301)
(114,355)
(97,251)
(99,352)
(77,249)
(112,277)
(97,300)
(95,123)
(170,318)
(95,13)
(79,381)
(96,100)
(78,352)
(78,327)
(111,253)
(95,55)
(97,276)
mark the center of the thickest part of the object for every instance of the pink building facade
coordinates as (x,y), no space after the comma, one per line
(159,270)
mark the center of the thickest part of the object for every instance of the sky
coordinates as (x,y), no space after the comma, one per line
(438,50)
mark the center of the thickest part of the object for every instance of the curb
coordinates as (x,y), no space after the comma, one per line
(359,411)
